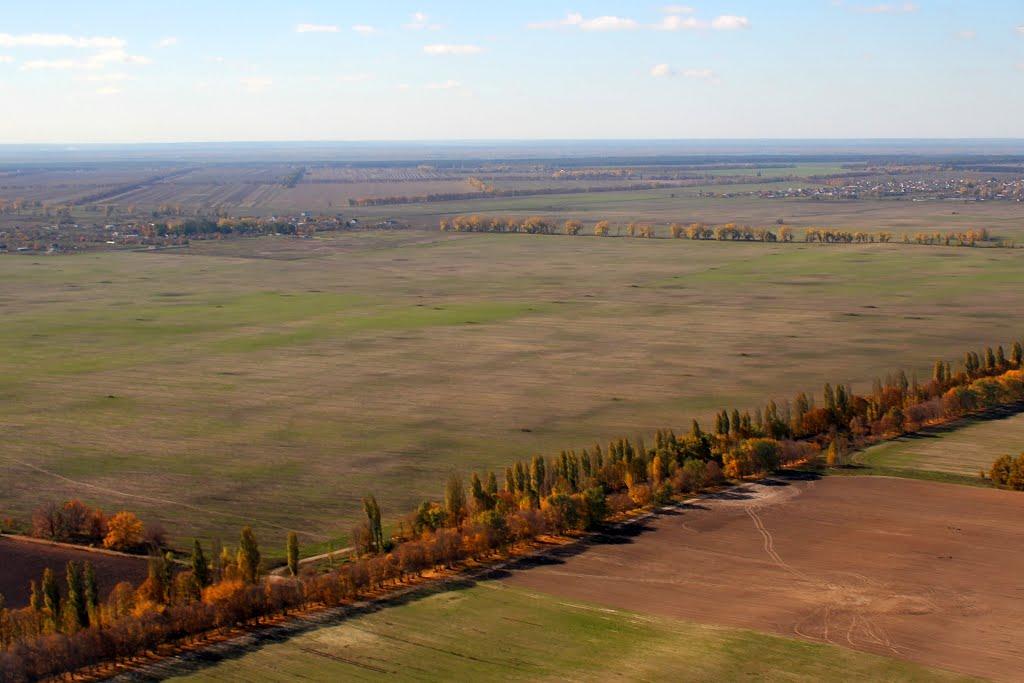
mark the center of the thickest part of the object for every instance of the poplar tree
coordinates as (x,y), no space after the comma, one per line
(248,556)
(538,475)
(293,553)
(372,510)
(454,500)
(77,611)
(1017,354)
(51,596)
(200,568)
(92,591)
(35,600)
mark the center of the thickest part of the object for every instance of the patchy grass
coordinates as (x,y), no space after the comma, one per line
(278,381)
(493,632)
(956,453)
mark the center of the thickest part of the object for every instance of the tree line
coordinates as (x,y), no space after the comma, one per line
(727,232)
(483,518)
(488,190)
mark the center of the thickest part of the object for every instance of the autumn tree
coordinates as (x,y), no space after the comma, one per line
(373,522)
(124,530)
(248,556)
(454,500)
(92,591)
(601,228)
(77,611)
(51,597)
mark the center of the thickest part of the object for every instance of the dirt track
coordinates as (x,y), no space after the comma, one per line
(923,571)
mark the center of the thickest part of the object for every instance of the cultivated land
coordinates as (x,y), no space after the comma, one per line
(921,571)
(276,381)
(961,449)
(24,561)
(496,632)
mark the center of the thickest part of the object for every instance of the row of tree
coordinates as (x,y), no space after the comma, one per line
(572,491)
(489,190)
(74,521)
(703,231)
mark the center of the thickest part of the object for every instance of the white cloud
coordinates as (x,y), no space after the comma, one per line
(1020,67)
(255,84)
(608,23)
(169,41)
(60,40)
(363,28)
(725,22)
(445,85)
(905,8)
(1020,29)
(6,59)
(675,22)
(420,22)
(666,71)
(677,9)
(730,22)
(353,78)
(577,20)
(109,90)
(316,28)
(966,35)
(452,49)
(100,60)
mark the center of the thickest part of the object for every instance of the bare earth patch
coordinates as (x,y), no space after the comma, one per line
(918,570)
(24,561)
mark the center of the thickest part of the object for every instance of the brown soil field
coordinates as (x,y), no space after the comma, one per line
(922,571)
(22,561)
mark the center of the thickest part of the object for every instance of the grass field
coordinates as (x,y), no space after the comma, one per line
(962,450)
(493,632)
(276,381)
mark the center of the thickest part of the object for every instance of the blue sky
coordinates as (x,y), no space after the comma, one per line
(196,71)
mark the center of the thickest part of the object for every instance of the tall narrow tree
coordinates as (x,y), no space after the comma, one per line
(200,567)
(248,556)
(293,553)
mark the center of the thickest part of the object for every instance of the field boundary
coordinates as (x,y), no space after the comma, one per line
(186,658)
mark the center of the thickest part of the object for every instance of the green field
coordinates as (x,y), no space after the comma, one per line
(962,450)
(492,632)
(277,381)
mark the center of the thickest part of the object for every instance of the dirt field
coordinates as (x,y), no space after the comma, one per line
(23,561)
(917,570)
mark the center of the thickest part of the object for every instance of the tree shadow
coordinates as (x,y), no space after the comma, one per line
(259,637)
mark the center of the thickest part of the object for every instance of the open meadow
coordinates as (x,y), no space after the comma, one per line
(963,449)
(276,381)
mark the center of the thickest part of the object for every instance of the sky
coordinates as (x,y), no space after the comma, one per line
(155,71)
